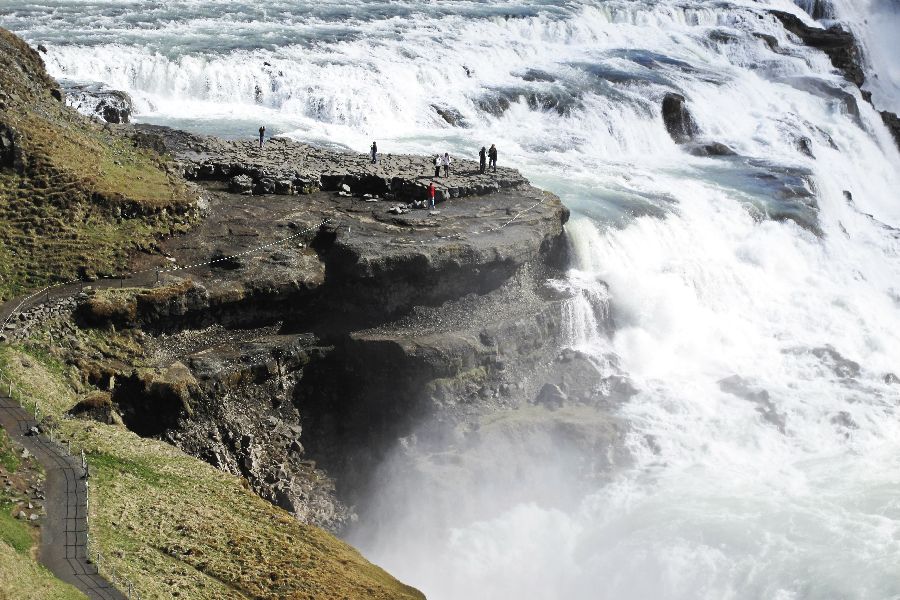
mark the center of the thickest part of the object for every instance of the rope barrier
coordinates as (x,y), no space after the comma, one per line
(46,290)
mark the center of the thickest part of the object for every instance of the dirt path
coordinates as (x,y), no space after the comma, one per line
(64,529)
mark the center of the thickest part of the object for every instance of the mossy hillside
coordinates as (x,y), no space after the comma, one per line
(177,527)
(76,197)
(21,577)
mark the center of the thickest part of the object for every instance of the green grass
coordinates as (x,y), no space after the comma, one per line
(14,532)
(9,458)
(177,527)
(84,197)
(21,578)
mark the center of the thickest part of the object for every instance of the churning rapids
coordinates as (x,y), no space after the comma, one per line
(753,299)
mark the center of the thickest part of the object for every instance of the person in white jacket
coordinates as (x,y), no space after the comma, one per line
(446,162)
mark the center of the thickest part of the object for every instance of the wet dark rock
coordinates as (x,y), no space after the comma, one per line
(740,387)
(537,75)
(891,379)
(804,144)
(42,48)
(453,117)
(789,193)
(723,36)
(558,99)
(838,364)
(97,100)
(709,149)
(679,122)
(493,104)
(770,40)
(892,122)
(839,44)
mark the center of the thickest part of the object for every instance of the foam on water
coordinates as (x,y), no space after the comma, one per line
(783,486)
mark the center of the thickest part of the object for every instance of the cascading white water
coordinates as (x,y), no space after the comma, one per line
(781,483)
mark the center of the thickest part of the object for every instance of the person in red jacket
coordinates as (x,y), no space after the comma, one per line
(431,194)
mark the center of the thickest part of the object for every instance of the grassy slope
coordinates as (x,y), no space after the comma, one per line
(178,527)
(80,196)
(21,577)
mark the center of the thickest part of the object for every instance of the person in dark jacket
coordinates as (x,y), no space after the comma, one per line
(492,155)
(373,153)
(482,160)
(262,135)
(446,161)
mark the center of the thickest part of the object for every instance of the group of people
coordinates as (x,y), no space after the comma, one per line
(491,155)
(487,158)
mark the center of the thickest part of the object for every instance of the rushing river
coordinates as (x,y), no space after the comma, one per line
(782,484)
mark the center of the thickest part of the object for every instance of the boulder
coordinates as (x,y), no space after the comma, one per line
(709,149)
(97,100)
(283,187)
(453,117)
(679,122)
(266,185)
(241,184)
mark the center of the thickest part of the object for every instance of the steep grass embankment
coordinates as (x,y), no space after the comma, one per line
(76,197)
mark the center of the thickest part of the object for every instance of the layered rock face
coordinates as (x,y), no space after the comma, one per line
(331,324)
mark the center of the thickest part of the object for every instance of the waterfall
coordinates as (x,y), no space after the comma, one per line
(752,299)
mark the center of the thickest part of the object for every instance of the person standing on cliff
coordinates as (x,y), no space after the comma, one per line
(492,154)
(446,162)
(482,160)
(262,135)
(431,194)
(437,165)
(373,152)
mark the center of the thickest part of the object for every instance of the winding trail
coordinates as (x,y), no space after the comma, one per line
(64,528)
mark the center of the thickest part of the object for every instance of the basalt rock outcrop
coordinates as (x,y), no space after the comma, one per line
(677,118)
(299,332)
